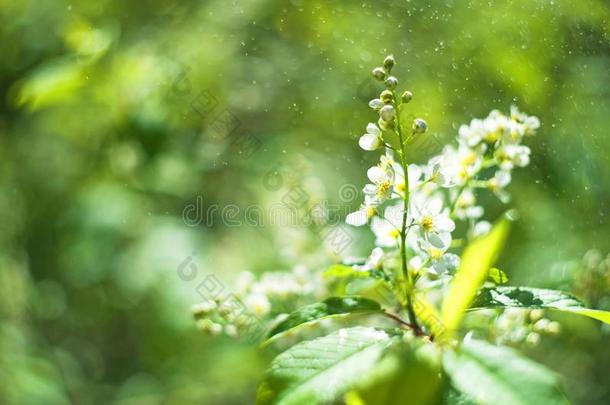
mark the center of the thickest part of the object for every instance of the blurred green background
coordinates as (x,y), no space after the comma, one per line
(109,131)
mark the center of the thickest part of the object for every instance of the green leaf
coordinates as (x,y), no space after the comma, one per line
(476,260)
(525,297)
(320,370)
(341,270)
(332,306)
(340,275)
(499,375)
(497,276)
(408,373)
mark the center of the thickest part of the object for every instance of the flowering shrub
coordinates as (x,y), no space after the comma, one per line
(411,342)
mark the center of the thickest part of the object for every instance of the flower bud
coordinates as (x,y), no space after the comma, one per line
(385,125)
(419,126)
(389,62)
(376,104)
(387,113)
(378,73)
(202,309)
(231,330)
(536,314)
(391,82)
(533,338)
(553,328)
(386,96)
(406,96)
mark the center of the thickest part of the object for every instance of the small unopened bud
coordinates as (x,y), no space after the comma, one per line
(385,125)
(536,314)
(231,330)
(553,328)
(205,325)
(202,309)
(386,96)
(533,338)
(376,104)
(387,113)
(406,96)
(541,325)
(419,126)
(391,82)
(389,62)
(378,73)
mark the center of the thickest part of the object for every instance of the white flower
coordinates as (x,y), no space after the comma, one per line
(382,179)
(472,134)
(372,140)
(494,126)
(387,229)
(511,155)
(498,183)
(433,257)
(465,205)
(362,216)
(481,228)
(258,304)
(459,165)
(400,186)
(428,215)
(531,124)
(514,132)
(434,172)
(373,261)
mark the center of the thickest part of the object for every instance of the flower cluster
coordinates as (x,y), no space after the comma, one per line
(420,204)
(515,326)
(259,299)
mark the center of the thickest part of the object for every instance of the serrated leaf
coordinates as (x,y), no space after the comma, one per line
(476,261)
(320,370)
(526,297)
(498,375)
(332,306)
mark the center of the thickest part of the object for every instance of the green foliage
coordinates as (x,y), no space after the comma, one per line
(320,370)
(333,306)
(500,376)
(477,259)
(409,373)
(526,297)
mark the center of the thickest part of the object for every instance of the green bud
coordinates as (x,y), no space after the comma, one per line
(391,82)
(419,126)
(378,73)
(406,96)
(389,62)
(386,96)
(385,125)
(387,113)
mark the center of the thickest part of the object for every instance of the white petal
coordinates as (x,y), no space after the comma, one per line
(373,129)
(370,190)
(474,212)
(440,240)
(502,178)
(415,173)
(444,224)
(357,218)
(369,142)
(377,175)
(434,206)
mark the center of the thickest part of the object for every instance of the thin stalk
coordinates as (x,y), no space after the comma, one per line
(403,231)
